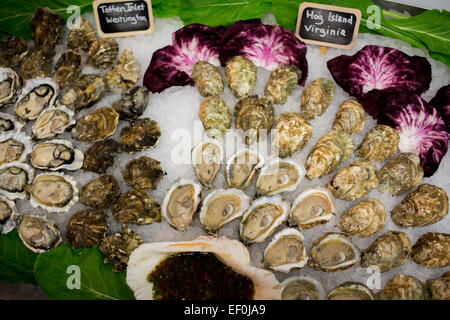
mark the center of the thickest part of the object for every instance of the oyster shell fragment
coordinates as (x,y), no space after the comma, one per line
(87,228)
(140,135)
(100,156)
(81,36)
(100,193)
(379,144)
(215,116)
(302,288)
(96,126)
(136,206)
(103,53)
(351,291)
(403,287)
(440,288)
(14,146)
(46,27)
(143,173)
(10,86)
(316,97)
(350,117)
(56,155)
(292,132)
(67,68)
(9,123)
(14,178)
(38,233)
(132,103)
(52,121)
(8,215)
(12,51)
(432,250)
(206,159)
(240,75)
(208,79)
(281,83)
(125,74)
(83,92)
(241,168)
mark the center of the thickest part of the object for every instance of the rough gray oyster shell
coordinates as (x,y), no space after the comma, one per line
(215,116)
(240,75)
(350,117)
(46,27)
(100,193)
(81,36)
(67,68)
(132,104)
(100,156)
(403,287)
(37,63)
(125,73)
(316,97)
(84,92)
(96,125)
(143,173)
(291,134)
(38,233)
(281,83)
(140,135)
(208,79)
(12,51)
(103,53)
(379,144)
(136,206)
(432,250)
(87,228)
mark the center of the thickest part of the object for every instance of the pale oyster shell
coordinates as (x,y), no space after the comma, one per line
(125,74)
(302,288)
(350,117)
(316,97)
(14,179)
(240,75)
(432,250)
(206,158)
(15,144)
(38,233)
(208,79)
(292,132)
(379,144)
(103,53)
(351,291)
(282,81)
(96,126)
(52,121)
(8,214)
(215,116)
(10,86)
(83,92)
(81,36)
(9,123)
(440,288)
(56,155)
(403,287)
(241,168)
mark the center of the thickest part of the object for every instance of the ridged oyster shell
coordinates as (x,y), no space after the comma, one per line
(206,158)
(136,206)
(103,53)
(8,214)
(240,75)
(46,27)
(282,81)
(302,288)
(440,288)
(81,36)
(12,51)
(37,63)
(241,168)
(14,179)
(403,287)
(132,103)
(38,233)
(67,68)
(350,117)
(87,228)
(10,86)
(215,116)
(316,97)
(143,173)
(52,121)
(56,155)
(379,144)
(100,193)
(14,146)
(208,79)
(9,123)
(83,92)
(432,250)
(351,291)
(100,156)
(140,135)
(95,126)
(125,74)
(292,132)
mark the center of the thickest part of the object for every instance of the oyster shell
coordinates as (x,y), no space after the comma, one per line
(400,174)
(312,207)
(132,103)
(391,250)
(351,291)
(140,135)
(143,173)
(8,214)
(241,168)
(261,218)
(87,228)
(364,219)
(83,92)
(100,193)
(403,287)
(56,155)
(9,123)
(125,74)
(37,63)
(240,75)
(440,287)
(281,83)
(52,121)
(181,203)
(255,116)
(316,97)
(54,192)
(291,134)
(208,79)
(286,251)
(136,206)
(118,247)
(103,53)
(14,146)
(432,250)
(215,116)
(333,252)
(350,117)
(206,159)
(67,68)
(96,126)
(330,150)
(355,181)
(100,156)
(81,36)
(379,144)
(221,207)
(426,205)
(278,176)
(12,51)
(10,86)
(302,288)
(46,27)
(38,233)
(14,178)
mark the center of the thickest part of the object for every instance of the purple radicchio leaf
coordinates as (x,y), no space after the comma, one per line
(267,46)
(375,67)
(442,102)
(172,65)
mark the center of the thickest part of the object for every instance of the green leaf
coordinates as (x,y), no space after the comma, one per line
(97,279)
(16,260)
(166,9)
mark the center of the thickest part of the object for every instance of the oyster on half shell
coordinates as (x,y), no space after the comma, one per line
(8,215)
(351,291)
(302,288)
(10,86)
(96,126)
(56,155)
(14,179)
(9,123)
(38,233)
(206,158)
(14,146)
(241,168)
(52,121)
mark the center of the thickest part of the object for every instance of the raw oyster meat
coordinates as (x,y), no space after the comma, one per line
(136,206)
(14,178)
(100,156)
(56,155)
(215,116)
(10,86)
(84,92)
(222,206)
(52,121)
(208,79)
(400,174)
(403,287)
(316,97)
(8,214)
(14,146)
(426,205)
(9,123)
(54,192)
(206,158)
(302,288)
(355,181)
(143,173)
(432,250)
(286,251)
(132,103)
(240,75)
(96,126)
(279,176)
(46,27)
(140,135)
(263,216)
(351,291)
(67,68)
(125,74)
(333,252)
(100,193)
(38,233)
(87,228)
(37,63)
(118,247)
(440,287)
(103,53)
(350,117)
(81,36)
(391,250)
(181,203)
(281,83)
(255,116)
(241,168)
(364,219)
(12,51)
(291,134)
(379,144)
(312,207)
(330,150)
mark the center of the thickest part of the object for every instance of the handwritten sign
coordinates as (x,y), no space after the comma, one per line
(329,26)
(118,18)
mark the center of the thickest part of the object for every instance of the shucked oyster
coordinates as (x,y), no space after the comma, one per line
(87,228)
(329,151)
(132,103)
(440,287)
(316,98)
(100,192)
(103,53)
(302,288)
(206,159)
(83,92)
(136,206)
(140,135)
(14,146)
(281,83)
(14,178)
(56,155)
(100,156)
(291,134)
(81,36)
(241,168)
(388,251)
(52,121)
(208,79)
(355,181)
(215,116)
(400,174)
(143,173)
(351,291)
(403,287)
(8,215)
(240,74)
(67,68)
(46,27)
(96,126)
(426,205)
(37,63)
(350,117)
(125,74)
(12,51)
(9,123)
(38,233)
(379,144)
(9,86)
(432,250)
